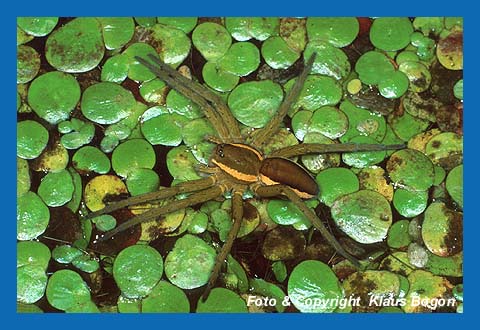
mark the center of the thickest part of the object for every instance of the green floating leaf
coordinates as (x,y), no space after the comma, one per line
(23,177)
(372,67)
(137,269)
(105,222)
(364,215)
(153,90)
(222,300)
(31,283)
(91,159)
(410,203)
(338,31)
(284,212)
(54,95)
(56,189)
(317,91)
(394,85)
(269,290)
(182,105)
(107,103)
(32,138)
(136,70)
(85,263)
(142,180)
(442,230)
(186,24)
(398,236)
(336,182)
(418,75)
(28,64)
(33,253)
(32,216)
(449,50)
(245,28)
(211,40)
(67,291)
(391,33)
(181,164)
(115,69)
(278,54)
(363,159)
(65,254)
(254,103)
(411,169)
(280,270)
(117,31)
(454,184)
(76,46)
(362,122)
(218,79)
(190,262)
(166,298)
(330,61)
(37,26)
(241,59)
(175,43)
(133,154)
(312,284)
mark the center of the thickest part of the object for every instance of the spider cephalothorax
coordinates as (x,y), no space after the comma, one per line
(238,163)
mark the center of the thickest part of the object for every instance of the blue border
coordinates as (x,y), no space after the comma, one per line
(240,8)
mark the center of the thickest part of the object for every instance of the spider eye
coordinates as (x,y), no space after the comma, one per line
(220,151)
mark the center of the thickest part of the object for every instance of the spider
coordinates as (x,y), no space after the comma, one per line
(238,164)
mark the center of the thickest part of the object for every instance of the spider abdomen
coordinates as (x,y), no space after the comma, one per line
(278,170)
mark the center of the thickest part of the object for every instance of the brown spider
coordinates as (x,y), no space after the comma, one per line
(238,164)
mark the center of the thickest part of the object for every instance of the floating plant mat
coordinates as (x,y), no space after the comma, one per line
(95,127)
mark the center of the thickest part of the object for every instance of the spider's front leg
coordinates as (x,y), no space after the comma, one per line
(237,216)
(287,191)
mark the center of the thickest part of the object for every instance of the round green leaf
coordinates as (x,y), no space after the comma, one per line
(186,24)
(211,40)
(142,180)
(410,203)
(363,159)
(165,129)
(336,182)
(411,169)
(32,138)
(330,61)
(312,281)
(218,79)
(277,53)
(107,103)
(115,69)
(454,184)
(56,189)
(222,300)
(132,154)
(90,159)
(391,33)
(28,64)
(254,103)
(442,230)
(76,46)
(372,67)
(117,31)
(338,31)
(66,290)
(398,236)
(33,253)
(137,269)
(394,85)
(37,26)
(166,298)
(364,215)
(31,283)
(32,216)
(190,262)
(241,59)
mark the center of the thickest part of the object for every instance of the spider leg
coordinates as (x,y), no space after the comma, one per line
(276,190)
(317,148)
(273,125)
(215,109)
(195,198)
(237,216)
(183,187)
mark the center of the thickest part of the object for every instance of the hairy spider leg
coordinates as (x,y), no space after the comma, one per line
(195,198)
(263,135)
(317,148)
(183,187)
(210,113)
(237,216)
(213,106)
(277,190)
